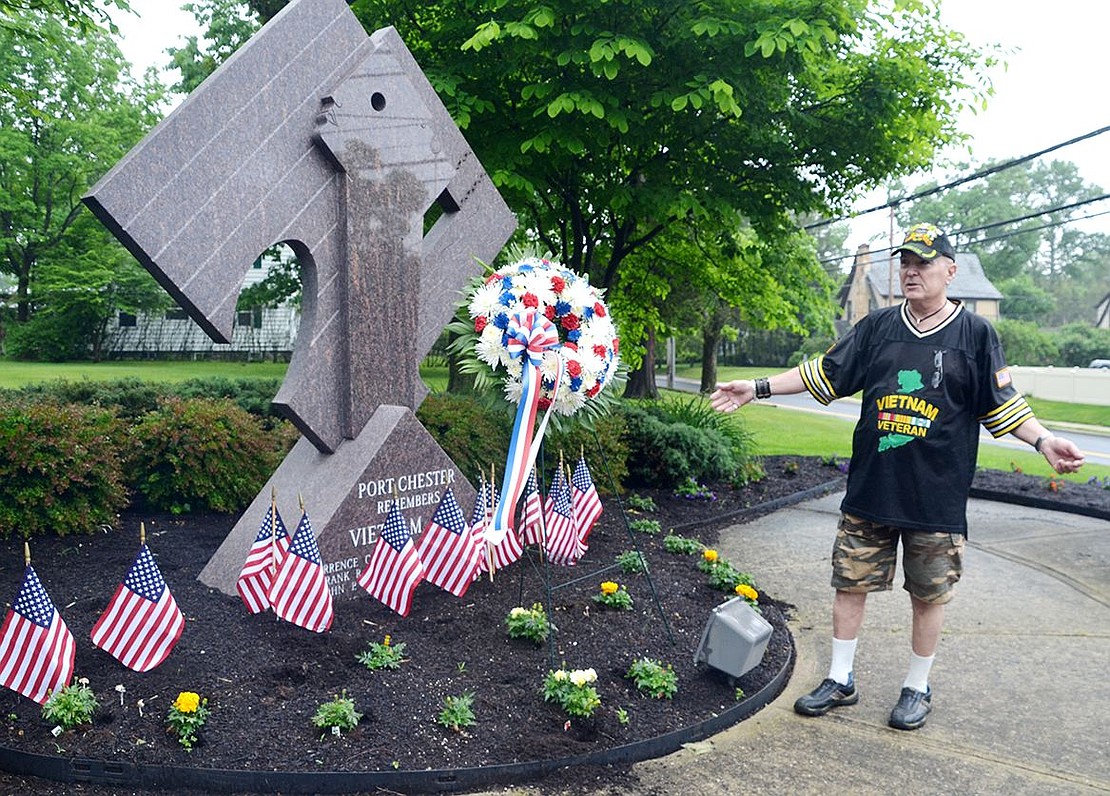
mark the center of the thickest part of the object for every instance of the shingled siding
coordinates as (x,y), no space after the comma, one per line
(265,333)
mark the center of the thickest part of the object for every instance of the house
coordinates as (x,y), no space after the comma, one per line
(868,286)
(258,333)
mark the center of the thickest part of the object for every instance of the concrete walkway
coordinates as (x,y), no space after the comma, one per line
(1021,683)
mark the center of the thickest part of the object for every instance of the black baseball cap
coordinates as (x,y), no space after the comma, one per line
(928,242)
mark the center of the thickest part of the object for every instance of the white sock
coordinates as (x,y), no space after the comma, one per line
(917,677)
(843,655)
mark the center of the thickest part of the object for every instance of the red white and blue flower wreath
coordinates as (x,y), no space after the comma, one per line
(545,333)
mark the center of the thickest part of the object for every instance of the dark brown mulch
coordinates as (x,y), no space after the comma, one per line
(264,678)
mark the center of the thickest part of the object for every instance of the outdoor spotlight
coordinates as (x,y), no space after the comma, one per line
(735,638)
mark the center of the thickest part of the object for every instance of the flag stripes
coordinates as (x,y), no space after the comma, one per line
(36,648)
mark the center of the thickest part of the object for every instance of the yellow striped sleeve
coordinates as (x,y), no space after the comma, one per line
(816,382)
(1007,417)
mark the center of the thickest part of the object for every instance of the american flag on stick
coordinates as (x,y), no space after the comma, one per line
(564,546)
(36,648)
(506,551)
(584,499)
(478,520)
(448,553)
(300,593)
(265,556)
(394,570)
(142,622)
(531,516)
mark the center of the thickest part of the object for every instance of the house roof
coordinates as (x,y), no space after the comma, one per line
(970,281)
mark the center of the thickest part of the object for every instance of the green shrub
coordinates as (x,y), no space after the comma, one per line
(607,463)
(71,706)
(665,454)
(653,678)
(198,454)
(458,711)
(650,527)
(337,715)
(632,562)
(61,471)
(254,396)
(470,433)
(673,543)
(131,398)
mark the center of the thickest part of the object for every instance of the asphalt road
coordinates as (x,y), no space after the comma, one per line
(1095,446)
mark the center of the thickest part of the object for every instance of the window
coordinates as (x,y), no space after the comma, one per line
(126,319)
(176,314)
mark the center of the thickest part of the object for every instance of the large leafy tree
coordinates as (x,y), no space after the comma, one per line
(68,111)
(83,15)
(1021,222)
(608,123)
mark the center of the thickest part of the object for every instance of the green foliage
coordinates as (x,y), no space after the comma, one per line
(1026,343)
(71,706)
(337,715)
(186,716)
(383,655)
(251,395)
(458,711)
(650,527)
(1080,343)
(470,433)
(666,453)
(199,454)
(692,490)
(530,623)
(573,691)
(130,398)
(723,576)
(749,472)
(653,678)
(632,562)
(604,444)
(684,545)
(641,503)
(614,596)
(60,469)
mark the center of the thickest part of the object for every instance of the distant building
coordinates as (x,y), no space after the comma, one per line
(869,286)
(259,333)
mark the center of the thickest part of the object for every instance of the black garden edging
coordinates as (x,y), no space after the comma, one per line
(132,775)
(1040,503)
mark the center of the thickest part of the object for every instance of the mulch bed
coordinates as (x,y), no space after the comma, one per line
(264,679)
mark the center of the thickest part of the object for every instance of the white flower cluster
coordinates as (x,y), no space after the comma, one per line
(578,677)
(588,351)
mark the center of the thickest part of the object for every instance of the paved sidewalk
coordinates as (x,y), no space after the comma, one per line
(1021,687)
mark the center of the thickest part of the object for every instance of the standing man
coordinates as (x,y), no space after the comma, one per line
(930,372)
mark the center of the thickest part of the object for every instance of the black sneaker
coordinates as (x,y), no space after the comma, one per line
(912,709)
(830,694)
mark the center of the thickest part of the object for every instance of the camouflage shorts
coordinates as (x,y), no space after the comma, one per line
(865,553)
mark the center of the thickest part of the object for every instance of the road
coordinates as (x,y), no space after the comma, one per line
(1096,447)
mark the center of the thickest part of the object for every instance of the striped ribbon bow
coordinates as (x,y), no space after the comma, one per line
(530,336)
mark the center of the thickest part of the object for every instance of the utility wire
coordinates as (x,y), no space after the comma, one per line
(1002,236)
(973,176)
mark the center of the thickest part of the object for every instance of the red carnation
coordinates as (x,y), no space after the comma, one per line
(549,312)
(480,323)
(558,284)
(530,300)
(543,403)
(616,346)
(574,368)
(600,351)
(590,393)
(599,309)
(570,346)
(569,322)
(493,277)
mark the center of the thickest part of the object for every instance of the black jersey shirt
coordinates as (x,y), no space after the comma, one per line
(924,396)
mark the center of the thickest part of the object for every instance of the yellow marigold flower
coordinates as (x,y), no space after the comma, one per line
(747,592)
(187,702)
(608,587)
(386,642)
(710,555)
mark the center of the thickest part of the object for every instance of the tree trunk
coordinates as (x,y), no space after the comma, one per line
(641,382)
(710,343)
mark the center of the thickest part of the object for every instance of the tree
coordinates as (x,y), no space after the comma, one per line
(605,124)
(227,25)
(83,15)
(68,110)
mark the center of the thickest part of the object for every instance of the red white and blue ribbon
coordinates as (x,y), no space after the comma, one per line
(530,336)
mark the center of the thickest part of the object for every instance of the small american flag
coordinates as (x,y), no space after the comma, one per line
(448,552)
(36,647)
(531,516)
(584,500)
(300,593)
(394,570)
(564,546)
(265,556)
(142,622)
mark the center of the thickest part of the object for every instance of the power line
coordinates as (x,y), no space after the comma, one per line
(973,176)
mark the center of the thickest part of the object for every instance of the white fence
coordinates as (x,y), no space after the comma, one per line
(1074,385)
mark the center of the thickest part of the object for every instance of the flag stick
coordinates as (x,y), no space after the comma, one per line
(489,517)
(26,553)
(142,534)
(273,528)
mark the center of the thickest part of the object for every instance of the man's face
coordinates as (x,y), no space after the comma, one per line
(925,281)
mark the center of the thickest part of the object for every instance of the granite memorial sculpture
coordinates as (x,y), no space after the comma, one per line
(332,141)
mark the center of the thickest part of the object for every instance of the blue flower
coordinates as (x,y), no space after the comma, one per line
(562,308)
(501,321)
(572,336)
(587,312)
(506,298)
(576,383)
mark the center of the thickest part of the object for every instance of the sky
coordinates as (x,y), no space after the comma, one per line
(1048,93)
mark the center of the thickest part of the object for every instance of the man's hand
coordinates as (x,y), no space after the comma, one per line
(1062,454)
(732,395)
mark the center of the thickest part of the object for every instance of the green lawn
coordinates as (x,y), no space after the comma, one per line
(18,374)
